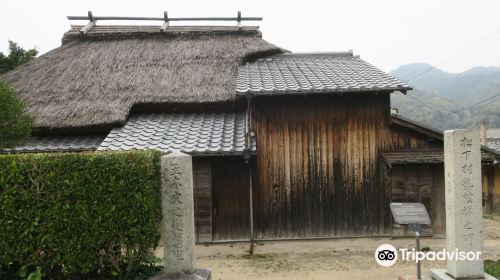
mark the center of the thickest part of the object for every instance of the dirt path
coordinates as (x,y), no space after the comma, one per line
(324,259)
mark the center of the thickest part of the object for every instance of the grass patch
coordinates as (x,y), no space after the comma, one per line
(492,268)
(491,216)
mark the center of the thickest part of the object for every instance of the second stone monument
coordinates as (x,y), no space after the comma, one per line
(178,219)
(464,229)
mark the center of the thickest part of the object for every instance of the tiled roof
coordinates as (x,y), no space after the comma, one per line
(417,126)
(190,133)
(75,143)
(435,155)
(494,143)
(311,73)
(413,156)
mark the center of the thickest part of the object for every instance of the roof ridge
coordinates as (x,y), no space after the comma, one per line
(120,31)
(348,53)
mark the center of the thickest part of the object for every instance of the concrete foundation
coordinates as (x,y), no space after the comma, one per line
(441,274)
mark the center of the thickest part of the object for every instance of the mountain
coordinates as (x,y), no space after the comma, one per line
(445,95)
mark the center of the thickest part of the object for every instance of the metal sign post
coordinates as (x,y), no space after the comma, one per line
(414,215)
(417,228)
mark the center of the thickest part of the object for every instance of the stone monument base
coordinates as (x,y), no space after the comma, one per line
(441,274)
(199,274)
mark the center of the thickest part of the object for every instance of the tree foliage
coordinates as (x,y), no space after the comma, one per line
(16,57)
(15,124)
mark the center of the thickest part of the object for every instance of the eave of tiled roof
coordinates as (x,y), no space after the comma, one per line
(494,143)
(74,143)
(419,156)
(488,153)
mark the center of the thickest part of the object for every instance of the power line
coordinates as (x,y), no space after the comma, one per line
(428,106)
(453,112)
(445,60)
(477,103)
(453,56)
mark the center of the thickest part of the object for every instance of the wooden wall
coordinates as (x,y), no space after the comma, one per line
(318,167)
(202,195)
(496,189)
(420,183)
(413,183)
(230,192)
(438,214)
(491,188)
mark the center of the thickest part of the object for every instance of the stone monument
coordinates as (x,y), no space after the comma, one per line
(463,193)
(178,219)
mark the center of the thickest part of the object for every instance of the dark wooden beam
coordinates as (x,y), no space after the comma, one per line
(89,25)
(165,25)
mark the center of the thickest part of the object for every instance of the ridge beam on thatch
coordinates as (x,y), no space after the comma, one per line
(238,19)
(89,25)
(165,25)
(165,18)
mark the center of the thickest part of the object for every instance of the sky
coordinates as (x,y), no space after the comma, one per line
(386,33)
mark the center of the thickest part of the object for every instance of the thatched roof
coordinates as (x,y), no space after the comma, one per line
(93,81)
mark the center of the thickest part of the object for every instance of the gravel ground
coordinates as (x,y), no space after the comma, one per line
(324,259)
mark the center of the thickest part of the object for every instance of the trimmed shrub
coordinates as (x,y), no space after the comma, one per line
(93,214)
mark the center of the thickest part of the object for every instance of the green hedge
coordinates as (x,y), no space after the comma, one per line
(79,213)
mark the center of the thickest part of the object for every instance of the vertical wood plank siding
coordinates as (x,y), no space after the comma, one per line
(202,183)
(414,183)
(318,168)
(230,192)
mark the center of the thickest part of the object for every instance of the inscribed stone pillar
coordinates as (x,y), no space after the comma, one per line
(464,227)
(178,213)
